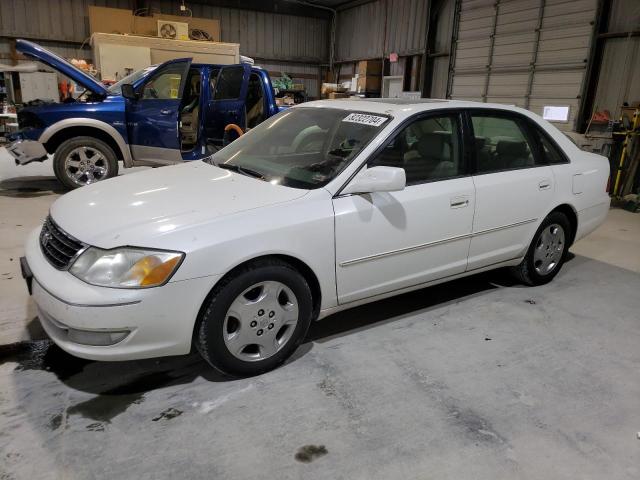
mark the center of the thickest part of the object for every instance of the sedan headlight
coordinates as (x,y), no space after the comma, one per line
(126,267)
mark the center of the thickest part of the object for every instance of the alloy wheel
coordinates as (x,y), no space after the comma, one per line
(549,249)
(86,165)
(260,321)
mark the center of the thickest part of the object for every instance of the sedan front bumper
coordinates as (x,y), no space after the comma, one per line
(100,323)
(27,151)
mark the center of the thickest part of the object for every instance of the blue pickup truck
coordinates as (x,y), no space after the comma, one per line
(161,115)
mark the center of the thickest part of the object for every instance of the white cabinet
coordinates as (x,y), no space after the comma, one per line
(117,61)
(38,86)
(114,54)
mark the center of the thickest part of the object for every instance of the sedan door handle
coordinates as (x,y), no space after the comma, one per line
(165,111)
(544,185)
(459,202)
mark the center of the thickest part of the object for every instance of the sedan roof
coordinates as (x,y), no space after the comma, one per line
(404,107)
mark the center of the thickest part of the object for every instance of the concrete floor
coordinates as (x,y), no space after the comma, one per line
(36,188)
(479,378)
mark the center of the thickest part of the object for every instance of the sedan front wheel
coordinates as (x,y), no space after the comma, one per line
(255,319)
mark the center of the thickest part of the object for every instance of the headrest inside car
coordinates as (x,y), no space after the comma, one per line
(512,148)
(431,144)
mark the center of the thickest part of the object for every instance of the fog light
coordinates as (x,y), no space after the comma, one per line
(96,339)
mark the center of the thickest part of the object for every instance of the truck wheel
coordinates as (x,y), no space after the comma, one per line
(81,161)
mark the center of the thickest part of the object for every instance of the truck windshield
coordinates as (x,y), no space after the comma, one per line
(302,147)
(116,88)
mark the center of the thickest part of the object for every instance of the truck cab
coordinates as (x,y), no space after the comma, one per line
(164,114)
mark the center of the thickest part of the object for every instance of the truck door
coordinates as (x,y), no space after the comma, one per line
(228,91)
(153,116)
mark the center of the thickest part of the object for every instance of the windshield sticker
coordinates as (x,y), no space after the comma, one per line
(364,119)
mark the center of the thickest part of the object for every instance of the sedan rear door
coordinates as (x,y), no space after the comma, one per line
(514,187)
(227,100)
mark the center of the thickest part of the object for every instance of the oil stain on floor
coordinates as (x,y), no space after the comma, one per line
(309,453)
(168,414)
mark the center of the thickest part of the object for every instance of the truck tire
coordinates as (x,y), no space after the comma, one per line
(82,161)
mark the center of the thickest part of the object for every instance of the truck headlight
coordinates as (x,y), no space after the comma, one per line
(126,267)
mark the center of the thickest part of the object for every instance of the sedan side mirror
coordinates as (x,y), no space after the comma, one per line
(129,92)
(377,179)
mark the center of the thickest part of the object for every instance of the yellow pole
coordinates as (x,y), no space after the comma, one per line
(634,126)
(619,172)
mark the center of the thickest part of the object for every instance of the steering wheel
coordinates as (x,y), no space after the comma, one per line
(152,91)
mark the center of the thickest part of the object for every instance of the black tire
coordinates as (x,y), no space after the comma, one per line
(208,336)
(108,161)
(526,272)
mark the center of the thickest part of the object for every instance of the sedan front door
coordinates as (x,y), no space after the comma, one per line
(386,241)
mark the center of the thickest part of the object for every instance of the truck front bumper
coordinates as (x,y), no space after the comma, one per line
(27,151)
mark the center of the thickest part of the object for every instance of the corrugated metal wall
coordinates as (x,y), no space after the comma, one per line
(64,20)
(619,79)
(63,25)
(360,30)
(260,34)
(305,74)
(264,35)
(529,53)
(441,49)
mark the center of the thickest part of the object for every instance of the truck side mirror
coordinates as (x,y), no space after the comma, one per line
(129,92)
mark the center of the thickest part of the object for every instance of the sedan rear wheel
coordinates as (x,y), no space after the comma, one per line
(255,318)
(547,251)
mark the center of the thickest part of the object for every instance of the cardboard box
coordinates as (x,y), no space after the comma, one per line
(334,95)
(369,84)
(110,20)
(331,87)
(370,68)
(122,21)
(145,26)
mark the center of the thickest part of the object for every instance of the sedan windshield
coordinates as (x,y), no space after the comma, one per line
(116,88)
(301,147)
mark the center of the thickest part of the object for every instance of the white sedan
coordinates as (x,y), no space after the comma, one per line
(325,206)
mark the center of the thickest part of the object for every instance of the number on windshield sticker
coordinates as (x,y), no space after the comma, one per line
(364,119)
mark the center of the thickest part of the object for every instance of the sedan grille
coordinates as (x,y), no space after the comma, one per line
(57,246)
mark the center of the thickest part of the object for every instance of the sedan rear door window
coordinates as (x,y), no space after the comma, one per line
(551,152)
(500,143)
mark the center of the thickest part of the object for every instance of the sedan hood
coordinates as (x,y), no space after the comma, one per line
(137,208)
(58,63)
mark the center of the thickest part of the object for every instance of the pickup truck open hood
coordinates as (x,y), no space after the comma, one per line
(58,63)
(143,207)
